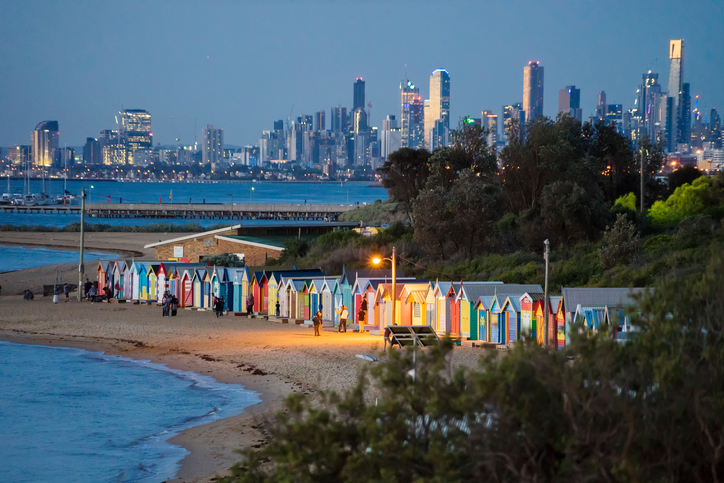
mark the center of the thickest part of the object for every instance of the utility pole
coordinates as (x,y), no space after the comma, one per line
(642,180)
(81,269)
(394,285)
(545,295)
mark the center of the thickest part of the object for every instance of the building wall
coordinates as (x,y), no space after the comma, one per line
(208,245)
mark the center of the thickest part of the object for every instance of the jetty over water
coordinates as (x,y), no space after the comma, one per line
(195,211)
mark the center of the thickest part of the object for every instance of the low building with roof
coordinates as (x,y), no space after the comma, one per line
(255,243)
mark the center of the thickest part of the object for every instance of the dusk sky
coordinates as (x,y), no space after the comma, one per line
(240,65)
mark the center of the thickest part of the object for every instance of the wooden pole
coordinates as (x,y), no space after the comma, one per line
(81,268)
(545,295)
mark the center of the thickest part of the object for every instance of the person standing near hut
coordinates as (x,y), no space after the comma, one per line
(66,291)
(56,292)
(343,314)
(317,320)
(250,304)
(362,315)
(174,306)
(166,304)
(278,309)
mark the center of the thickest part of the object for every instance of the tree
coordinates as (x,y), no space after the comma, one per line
(620,243)
(686,200)
(470,149)
(224,260)
(459,219)
(572,213)
(404,174)
(682,176)
(294,249)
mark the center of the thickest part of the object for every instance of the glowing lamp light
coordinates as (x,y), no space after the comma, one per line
(376,260)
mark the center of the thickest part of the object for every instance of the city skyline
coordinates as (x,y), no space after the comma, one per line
(90,86)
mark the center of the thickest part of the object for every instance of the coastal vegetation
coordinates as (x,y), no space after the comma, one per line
(651,409)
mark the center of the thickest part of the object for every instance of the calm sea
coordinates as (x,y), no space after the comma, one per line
(69,415)
(149,192)
(19,258)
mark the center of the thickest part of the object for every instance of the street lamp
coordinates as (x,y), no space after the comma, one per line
(250,192)
(545,294)
(393,261)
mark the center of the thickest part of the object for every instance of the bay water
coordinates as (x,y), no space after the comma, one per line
(70,415)
(19,258)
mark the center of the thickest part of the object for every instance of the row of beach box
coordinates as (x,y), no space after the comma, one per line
(482,312)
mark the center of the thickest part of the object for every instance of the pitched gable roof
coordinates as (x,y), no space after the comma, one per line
(598,297)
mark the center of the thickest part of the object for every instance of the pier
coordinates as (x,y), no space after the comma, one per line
(195,211)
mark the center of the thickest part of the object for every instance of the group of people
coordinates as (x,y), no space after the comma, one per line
(56,292)
(170,304)
(91,292)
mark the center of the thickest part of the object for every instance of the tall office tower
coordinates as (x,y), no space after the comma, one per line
(412,119)
(698,128)
(113,148)
(212,147)
(20,155)
(614,116)
(601,105)
(650,107)
(390,137)
(683,125)
(359,94)
(319,121)
(279,125)
(676,74)
(533,90)
(135,130)
(439,108)
(338,119)
(715,129)
(92,152)
(512,112)
(361,137)
(569,102)
(44,141)
(490,123)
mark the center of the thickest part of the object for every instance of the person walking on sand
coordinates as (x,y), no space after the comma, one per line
(362,315)
(56,292)
(317,320)
(66,291)
(343,314)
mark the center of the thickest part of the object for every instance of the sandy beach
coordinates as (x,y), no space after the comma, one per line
(271,358)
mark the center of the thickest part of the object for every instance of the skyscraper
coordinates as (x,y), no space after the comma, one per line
(390,138)
(359,94)
(683,127)
(412,122)
(490,122)
(321,124)
(601,105)
(512,112)
(676,72)
(113,148)
(569,102)
(438,110)
(715,129)
(338,119)
(212,148)
(533,90)
(676,79)
(92,152)
(650,107)
(45,143)
(135,130)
